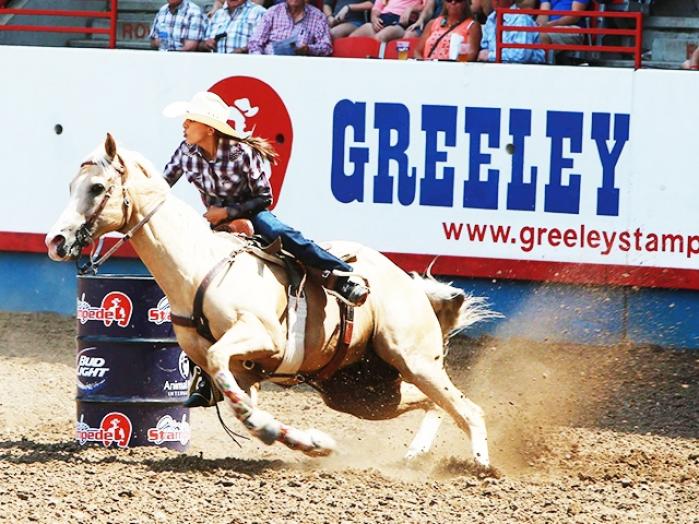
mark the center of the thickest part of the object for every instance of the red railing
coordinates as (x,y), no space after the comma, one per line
(110,14)
(636,32)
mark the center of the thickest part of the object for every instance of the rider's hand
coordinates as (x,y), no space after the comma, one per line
(216,215)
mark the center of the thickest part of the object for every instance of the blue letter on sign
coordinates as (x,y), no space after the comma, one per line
(607,194)
(521,195)
(560,125)
(438,191)
(387,118)
(348,187)
(481,121)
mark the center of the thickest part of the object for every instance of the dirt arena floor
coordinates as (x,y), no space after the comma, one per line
(580,435)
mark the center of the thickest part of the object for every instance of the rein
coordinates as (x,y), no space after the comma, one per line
(83,236)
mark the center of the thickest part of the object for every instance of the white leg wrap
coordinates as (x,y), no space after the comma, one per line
(425,435)
(265,427)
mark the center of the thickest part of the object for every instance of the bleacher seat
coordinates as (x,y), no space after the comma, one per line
(357,47)
(391,50)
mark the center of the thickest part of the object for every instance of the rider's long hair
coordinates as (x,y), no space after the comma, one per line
(259,145)
(262,146)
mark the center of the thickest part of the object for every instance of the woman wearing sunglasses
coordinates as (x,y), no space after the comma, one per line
(456,19)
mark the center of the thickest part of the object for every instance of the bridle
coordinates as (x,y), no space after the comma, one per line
(83,236)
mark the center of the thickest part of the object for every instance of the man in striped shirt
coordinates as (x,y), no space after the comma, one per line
(231,27)
(292,28)
(178,26)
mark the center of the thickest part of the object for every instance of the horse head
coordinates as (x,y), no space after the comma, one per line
(99,203)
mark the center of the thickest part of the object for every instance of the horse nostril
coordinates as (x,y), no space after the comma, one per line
(59,244)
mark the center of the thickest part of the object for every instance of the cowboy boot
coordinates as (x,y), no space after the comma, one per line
(353,292)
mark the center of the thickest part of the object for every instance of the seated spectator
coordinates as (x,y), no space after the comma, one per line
(487,53)
(178,26)
(231,26)
(456,19)
(693,61)
(389,19)
(218,4)
(344,16)
(432,9)
(292,28)
(557,21)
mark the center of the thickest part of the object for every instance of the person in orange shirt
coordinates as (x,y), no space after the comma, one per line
(456,19)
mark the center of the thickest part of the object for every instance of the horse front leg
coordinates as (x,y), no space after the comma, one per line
(248,339)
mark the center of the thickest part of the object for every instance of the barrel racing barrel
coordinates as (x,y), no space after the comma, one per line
(132,377)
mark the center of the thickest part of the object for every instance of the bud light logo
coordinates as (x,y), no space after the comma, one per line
(91,371)
(170,430)
(161,313)
(255,107)
(115,307)
(115,428)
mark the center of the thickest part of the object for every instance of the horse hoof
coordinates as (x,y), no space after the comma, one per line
(323,444)
(487,471)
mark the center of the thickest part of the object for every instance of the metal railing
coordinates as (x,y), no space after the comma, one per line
(110,14)
(636,32)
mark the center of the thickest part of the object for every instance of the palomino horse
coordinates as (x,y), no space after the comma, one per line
(397,346)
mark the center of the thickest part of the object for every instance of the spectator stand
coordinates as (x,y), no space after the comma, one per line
(357,47)
(367,47)
(593,46)
(26,19)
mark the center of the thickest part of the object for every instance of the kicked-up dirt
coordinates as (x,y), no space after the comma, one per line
(579,434)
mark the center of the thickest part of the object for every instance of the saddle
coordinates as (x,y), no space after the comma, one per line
(287,372)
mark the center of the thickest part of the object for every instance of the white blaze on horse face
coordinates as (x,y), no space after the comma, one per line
(60,240)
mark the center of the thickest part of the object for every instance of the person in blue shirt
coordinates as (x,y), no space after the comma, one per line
(488,47)
(556,21)
(230,27)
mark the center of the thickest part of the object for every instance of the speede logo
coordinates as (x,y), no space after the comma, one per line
(435,182)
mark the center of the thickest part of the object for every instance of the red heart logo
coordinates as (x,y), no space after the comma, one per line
(263,114)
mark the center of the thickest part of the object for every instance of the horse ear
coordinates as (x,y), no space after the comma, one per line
(110,147)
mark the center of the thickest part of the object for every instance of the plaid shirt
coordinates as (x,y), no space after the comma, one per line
(186,23)
(235,175)
(237,26)
(278,25)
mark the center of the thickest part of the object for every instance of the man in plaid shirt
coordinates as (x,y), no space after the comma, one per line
(178,26)
(231,27)
(292,28)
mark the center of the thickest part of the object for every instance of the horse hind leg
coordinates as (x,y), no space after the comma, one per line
(432,380)
(412,398)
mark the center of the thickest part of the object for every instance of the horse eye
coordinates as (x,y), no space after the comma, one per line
(96,189)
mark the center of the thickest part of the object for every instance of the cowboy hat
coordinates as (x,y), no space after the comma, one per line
(207,108)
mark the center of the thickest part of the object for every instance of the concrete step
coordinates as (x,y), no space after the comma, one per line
(102,43)
(672,23)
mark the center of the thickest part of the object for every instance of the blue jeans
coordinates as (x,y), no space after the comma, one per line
(307,251)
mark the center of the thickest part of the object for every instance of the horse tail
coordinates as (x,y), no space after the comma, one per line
(455,309)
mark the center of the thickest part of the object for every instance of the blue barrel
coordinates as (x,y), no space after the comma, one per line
(132,377)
